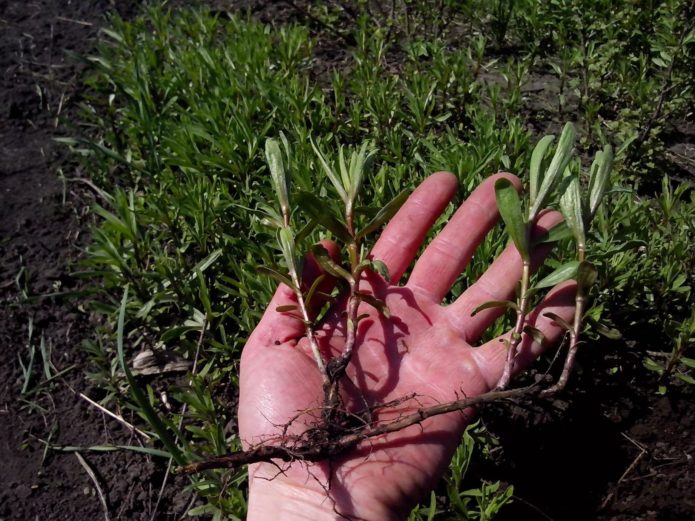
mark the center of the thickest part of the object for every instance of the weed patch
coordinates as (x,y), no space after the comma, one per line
(173,136)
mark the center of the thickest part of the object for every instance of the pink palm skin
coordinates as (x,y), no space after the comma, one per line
(423,349)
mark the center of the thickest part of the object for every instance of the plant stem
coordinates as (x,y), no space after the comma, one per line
(308,329)
(337,366)
(579,306)
(515,337)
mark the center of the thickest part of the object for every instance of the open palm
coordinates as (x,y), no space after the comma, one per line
(423,351)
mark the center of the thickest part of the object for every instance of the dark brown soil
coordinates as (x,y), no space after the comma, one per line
(609,449)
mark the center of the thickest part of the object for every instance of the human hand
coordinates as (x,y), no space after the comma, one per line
(423,349)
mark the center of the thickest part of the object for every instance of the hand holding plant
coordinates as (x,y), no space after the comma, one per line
(381,378)
(422,350)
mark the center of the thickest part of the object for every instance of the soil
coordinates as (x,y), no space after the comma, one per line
(609,449)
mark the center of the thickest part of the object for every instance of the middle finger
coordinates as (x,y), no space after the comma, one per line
(449,253)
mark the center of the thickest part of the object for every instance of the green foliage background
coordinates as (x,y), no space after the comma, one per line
(181,102)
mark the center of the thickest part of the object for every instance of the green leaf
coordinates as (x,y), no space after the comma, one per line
(509,205)
(381,268)
(552,176)
(312,290)
(159,426)
(600,175)
(287,244)
(204,294)
(344,172)
(332,176)
(384,214)
(376,303)
(113,448)
(306,231)
(322,214)
(203,510)
(535,333)
(561,274)
(685,377)
(286,308)
(652,365)
(608,332)
(571,207)
(586,274)
(495,304)
(175,333)
(688,362)
(279,277)
(359,164)
(205,263)
(537,157)
(277,174)
(328,264)
(557,233)
(559,321)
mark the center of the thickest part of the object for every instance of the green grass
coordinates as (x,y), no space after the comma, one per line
(173,132)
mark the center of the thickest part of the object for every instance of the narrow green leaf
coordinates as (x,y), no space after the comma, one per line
(557,233)
(495,304)
(159,426)
(586,274)
(509,205)
(384,214)
(571,207)
(381,268)
(203,294)
(559,321)
(174,333)
(286,146)
(652,365)
(536,176)
(344,171)
(685,377)
(285,309)
(203,510)
(287,244)
(598,182)
(312,290)
(535,333)
(608,332)
(332,176)
(320,212)
(306,230)
(376,303)
(552,176)
(359,164)
(279,277)
(277,174)
(328,264)
(114,221)
(689,362)
(205,263)
(112,448)
(565,272)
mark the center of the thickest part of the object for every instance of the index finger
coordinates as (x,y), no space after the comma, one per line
(402,237)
